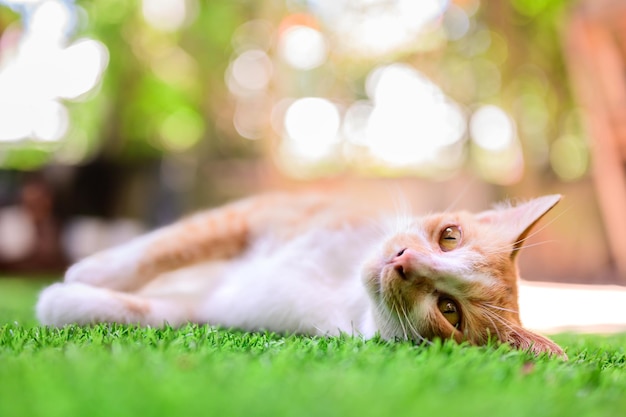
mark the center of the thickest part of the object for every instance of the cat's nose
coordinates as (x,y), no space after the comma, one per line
(411,264)
(401,262)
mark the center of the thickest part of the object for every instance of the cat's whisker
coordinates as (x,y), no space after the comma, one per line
(414,331)
(501,308)
(400,203)
(495,327)
(502,321)
(539,230)
(402,213)
(507,249)
(377,226)
(383,307)
(406,337)
(402,223)
(393,310)
(459,196)
(491,316)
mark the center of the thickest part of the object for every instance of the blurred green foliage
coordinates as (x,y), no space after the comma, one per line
(164,92)
(135,99)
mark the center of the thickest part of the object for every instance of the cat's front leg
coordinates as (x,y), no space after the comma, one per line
(117,268)
(211,235)
(64,303)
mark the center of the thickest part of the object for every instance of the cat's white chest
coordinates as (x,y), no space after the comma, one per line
(310,284)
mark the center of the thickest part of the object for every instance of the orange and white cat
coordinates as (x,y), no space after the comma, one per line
(317,265)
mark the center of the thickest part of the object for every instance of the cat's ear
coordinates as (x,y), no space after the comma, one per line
(514,223)
(522,339)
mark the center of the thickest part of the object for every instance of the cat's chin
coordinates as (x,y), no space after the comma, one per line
(372,279)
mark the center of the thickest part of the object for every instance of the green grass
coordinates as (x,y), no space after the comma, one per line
(199,370)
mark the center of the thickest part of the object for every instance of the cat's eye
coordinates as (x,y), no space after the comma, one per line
(450,311)
(450,238)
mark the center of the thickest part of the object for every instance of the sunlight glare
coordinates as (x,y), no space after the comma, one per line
(377,27)
(412,119)
(50,22)
(15,120)
(44,69)
(81,67)
(51,121)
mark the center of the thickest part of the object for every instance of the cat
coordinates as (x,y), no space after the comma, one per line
(315,264)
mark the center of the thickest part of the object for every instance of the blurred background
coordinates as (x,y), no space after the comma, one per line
(120,116)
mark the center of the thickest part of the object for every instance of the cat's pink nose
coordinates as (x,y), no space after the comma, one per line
(401,263)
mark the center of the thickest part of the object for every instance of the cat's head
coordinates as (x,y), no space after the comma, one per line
(454,275)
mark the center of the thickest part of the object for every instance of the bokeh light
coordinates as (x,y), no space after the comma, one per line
(377,28)
(456,22)
(285,63)
(303,47)
(253,34)
(238,96)
(168,15)
(569,157)
(175,66)
(251,118)
(181,129)
(497,151)
(355,121)
(80,68)
(50,22)
(44,69)
(250,71)
(491,128)
(311,127)
(51,121)
(502,167)
(18,233)
(412,119)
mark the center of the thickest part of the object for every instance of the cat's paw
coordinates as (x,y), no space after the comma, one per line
(61,304)
(114,269)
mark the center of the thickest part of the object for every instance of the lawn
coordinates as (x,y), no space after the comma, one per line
(200,370)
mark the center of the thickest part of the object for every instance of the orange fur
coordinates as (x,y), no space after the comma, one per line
(132,304)
(489,310)
(227,231)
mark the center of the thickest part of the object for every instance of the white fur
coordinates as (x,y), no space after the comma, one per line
(305,285)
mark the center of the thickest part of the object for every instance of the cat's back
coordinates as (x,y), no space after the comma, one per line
(290,215)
